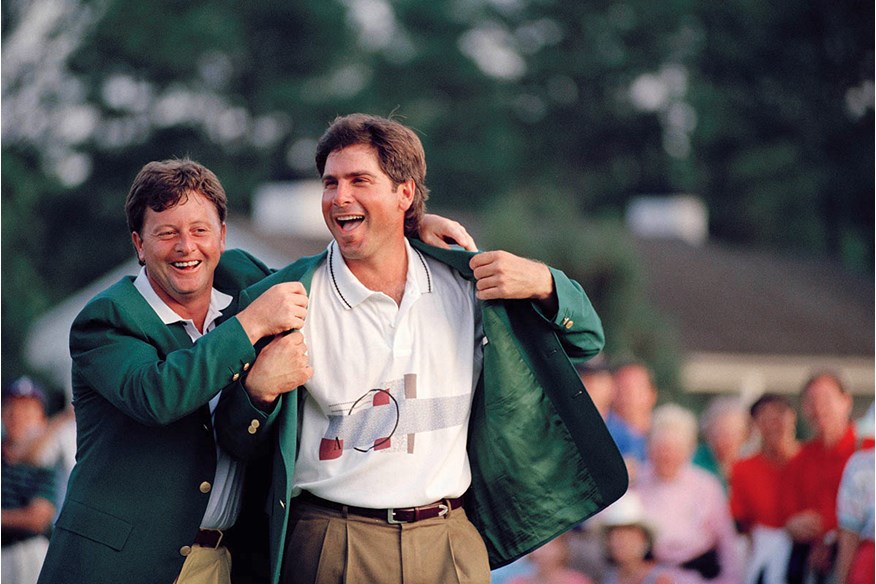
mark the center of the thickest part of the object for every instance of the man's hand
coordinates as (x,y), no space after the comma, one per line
(502,275)
(804,526)
(438,231)
(280,367)
(281,308)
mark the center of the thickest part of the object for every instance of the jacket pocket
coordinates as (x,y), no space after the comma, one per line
(94,524)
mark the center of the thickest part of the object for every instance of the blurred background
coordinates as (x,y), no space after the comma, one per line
(704,169)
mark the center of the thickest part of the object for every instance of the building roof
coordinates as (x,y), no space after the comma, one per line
(729,300)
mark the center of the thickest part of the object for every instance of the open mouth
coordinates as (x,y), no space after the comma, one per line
(189,265)
(349,222)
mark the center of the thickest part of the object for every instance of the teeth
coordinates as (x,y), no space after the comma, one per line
(190,264)
(350,217)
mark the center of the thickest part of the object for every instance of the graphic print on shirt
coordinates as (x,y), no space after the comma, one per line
(388,419)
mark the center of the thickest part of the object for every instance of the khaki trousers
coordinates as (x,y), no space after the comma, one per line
(206,565)
(327,546)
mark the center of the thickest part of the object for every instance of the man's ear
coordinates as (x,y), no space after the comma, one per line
(406,192)
(138,245)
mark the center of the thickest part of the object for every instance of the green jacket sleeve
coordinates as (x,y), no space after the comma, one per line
(576,323)
(152,373)
(242,428)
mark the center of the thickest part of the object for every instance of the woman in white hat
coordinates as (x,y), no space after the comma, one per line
(628,541)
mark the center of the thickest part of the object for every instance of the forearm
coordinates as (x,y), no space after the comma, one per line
(35,518)
(847,544)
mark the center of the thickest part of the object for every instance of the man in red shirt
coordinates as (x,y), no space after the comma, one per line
(813,477)
(756,489)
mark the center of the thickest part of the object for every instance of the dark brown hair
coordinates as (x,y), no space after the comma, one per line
(770,398)
(162,184)
(399,153)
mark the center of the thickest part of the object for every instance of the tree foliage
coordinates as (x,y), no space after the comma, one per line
(766,111)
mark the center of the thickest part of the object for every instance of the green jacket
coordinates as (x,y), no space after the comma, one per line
(542,460)
(145,443)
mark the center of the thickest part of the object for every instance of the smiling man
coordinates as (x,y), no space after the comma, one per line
(152,496)
(445,428)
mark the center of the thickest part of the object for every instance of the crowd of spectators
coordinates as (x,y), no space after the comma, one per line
(729,497)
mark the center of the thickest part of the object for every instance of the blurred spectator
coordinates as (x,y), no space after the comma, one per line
(855,515)
(813,478)
(550,563)
(686,505)
(28,491)
(725,429)
(630,418)
(598,380)
(864,427)
(628,540)
(756,490)
(56,449)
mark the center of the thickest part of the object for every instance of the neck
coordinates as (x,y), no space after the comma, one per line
(831,437)
(387,274)
(781,452)
(633,571)
(194,311)
(641,422)
(194,308)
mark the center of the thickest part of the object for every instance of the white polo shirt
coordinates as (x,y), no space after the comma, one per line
(385,418)
(224,503)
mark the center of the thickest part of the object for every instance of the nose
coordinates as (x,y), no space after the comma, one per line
(342,194)
(185,243)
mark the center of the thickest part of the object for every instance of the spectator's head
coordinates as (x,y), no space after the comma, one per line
(552,556)
(599,381)
(635,392)
(628,536)
(672,440)
(826,406)
(399,152)
(725,427)
(23,410)
(775,420)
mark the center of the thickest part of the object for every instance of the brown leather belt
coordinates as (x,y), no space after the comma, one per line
(211,538)
(398,515)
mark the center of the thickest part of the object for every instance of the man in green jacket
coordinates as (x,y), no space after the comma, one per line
(151,494)
(445,429)
(152,497)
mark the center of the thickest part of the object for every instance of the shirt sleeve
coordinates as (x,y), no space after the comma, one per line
(852,498)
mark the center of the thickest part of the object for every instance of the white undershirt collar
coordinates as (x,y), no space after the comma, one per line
(219,301)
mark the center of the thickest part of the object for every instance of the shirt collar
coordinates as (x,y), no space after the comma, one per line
(351,292)
(218,302)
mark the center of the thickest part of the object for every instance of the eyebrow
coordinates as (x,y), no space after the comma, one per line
(351,174)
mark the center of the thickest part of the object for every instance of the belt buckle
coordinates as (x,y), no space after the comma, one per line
(390,517)
(443,509)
